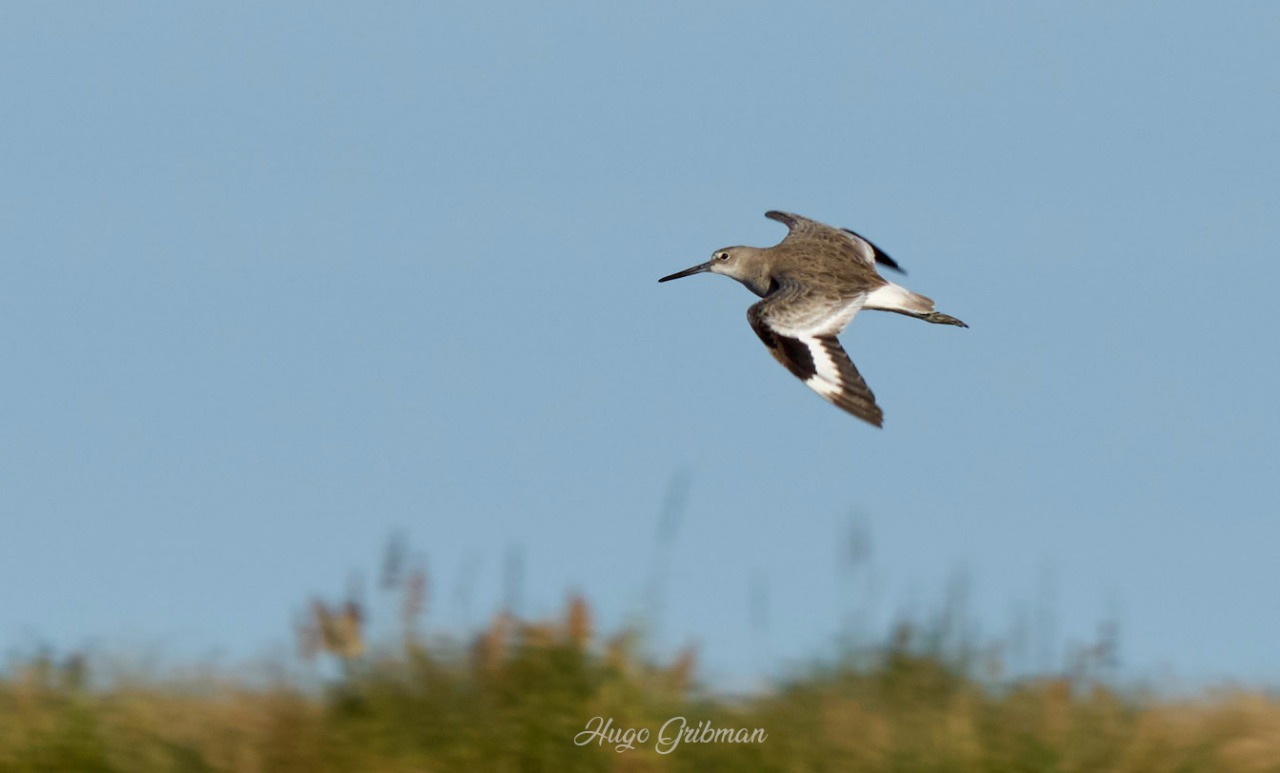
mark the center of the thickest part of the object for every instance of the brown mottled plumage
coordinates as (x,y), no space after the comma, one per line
(813,283)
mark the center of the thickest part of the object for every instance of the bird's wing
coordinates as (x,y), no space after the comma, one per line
(811,231)
(798,227)
(877,254)
(800,330)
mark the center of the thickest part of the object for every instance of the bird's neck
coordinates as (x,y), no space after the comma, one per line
(761,284)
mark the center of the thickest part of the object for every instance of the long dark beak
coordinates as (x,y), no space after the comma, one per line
(688,272)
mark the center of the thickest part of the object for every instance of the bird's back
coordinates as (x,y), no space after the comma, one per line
(819,256)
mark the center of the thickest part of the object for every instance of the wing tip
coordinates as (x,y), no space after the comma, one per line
(879,255)
(870,414)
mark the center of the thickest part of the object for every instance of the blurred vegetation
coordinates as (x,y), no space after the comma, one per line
(516,696)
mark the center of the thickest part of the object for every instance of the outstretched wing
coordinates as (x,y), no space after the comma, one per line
(800,332)
(799,227)
(802,228)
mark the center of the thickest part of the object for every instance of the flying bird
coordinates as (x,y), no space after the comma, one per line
(813,283)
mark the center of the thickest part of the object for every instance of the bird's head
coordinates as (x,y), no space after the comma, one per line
(745,264)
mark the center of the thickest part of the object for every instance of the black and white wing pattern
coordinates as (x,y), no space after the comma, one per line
(800,331)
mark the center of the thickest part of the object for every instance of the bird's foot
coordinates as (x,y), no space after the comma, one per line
(938,318)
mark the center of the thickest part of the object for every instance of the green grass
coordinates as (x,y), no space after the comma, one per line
(516,696)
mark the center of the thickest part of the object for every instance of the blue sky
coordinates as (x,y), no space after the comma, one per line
(279,280)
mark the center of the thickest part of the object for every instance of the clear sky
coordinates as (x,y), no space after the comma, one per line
(277,280)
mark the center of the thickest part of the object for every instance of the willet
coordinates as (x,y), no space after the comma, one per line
(813,282)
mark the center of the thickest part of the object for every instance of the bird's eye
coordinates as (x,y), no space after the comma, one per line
(722,256)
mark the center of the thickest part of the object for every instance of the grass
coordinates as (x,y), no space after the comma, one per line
(516,696)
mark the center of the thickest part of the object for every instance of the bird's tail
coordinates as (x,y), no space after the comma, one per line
(895,298)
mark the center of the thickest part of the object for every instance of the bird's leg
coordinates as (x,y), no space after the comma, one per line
(938,318)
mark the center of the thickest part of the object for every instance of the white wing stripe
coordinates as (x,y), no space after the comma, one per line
(826,378)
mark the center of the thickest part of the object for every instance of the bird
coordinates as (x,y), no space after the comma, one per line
(813,282)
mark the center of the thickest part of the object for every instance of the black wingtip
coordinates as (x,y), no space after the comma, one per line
(881,256)
(885,260)
(890,264)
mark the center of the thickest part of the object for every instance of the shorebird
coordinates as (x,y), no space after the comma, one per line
(813,283)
